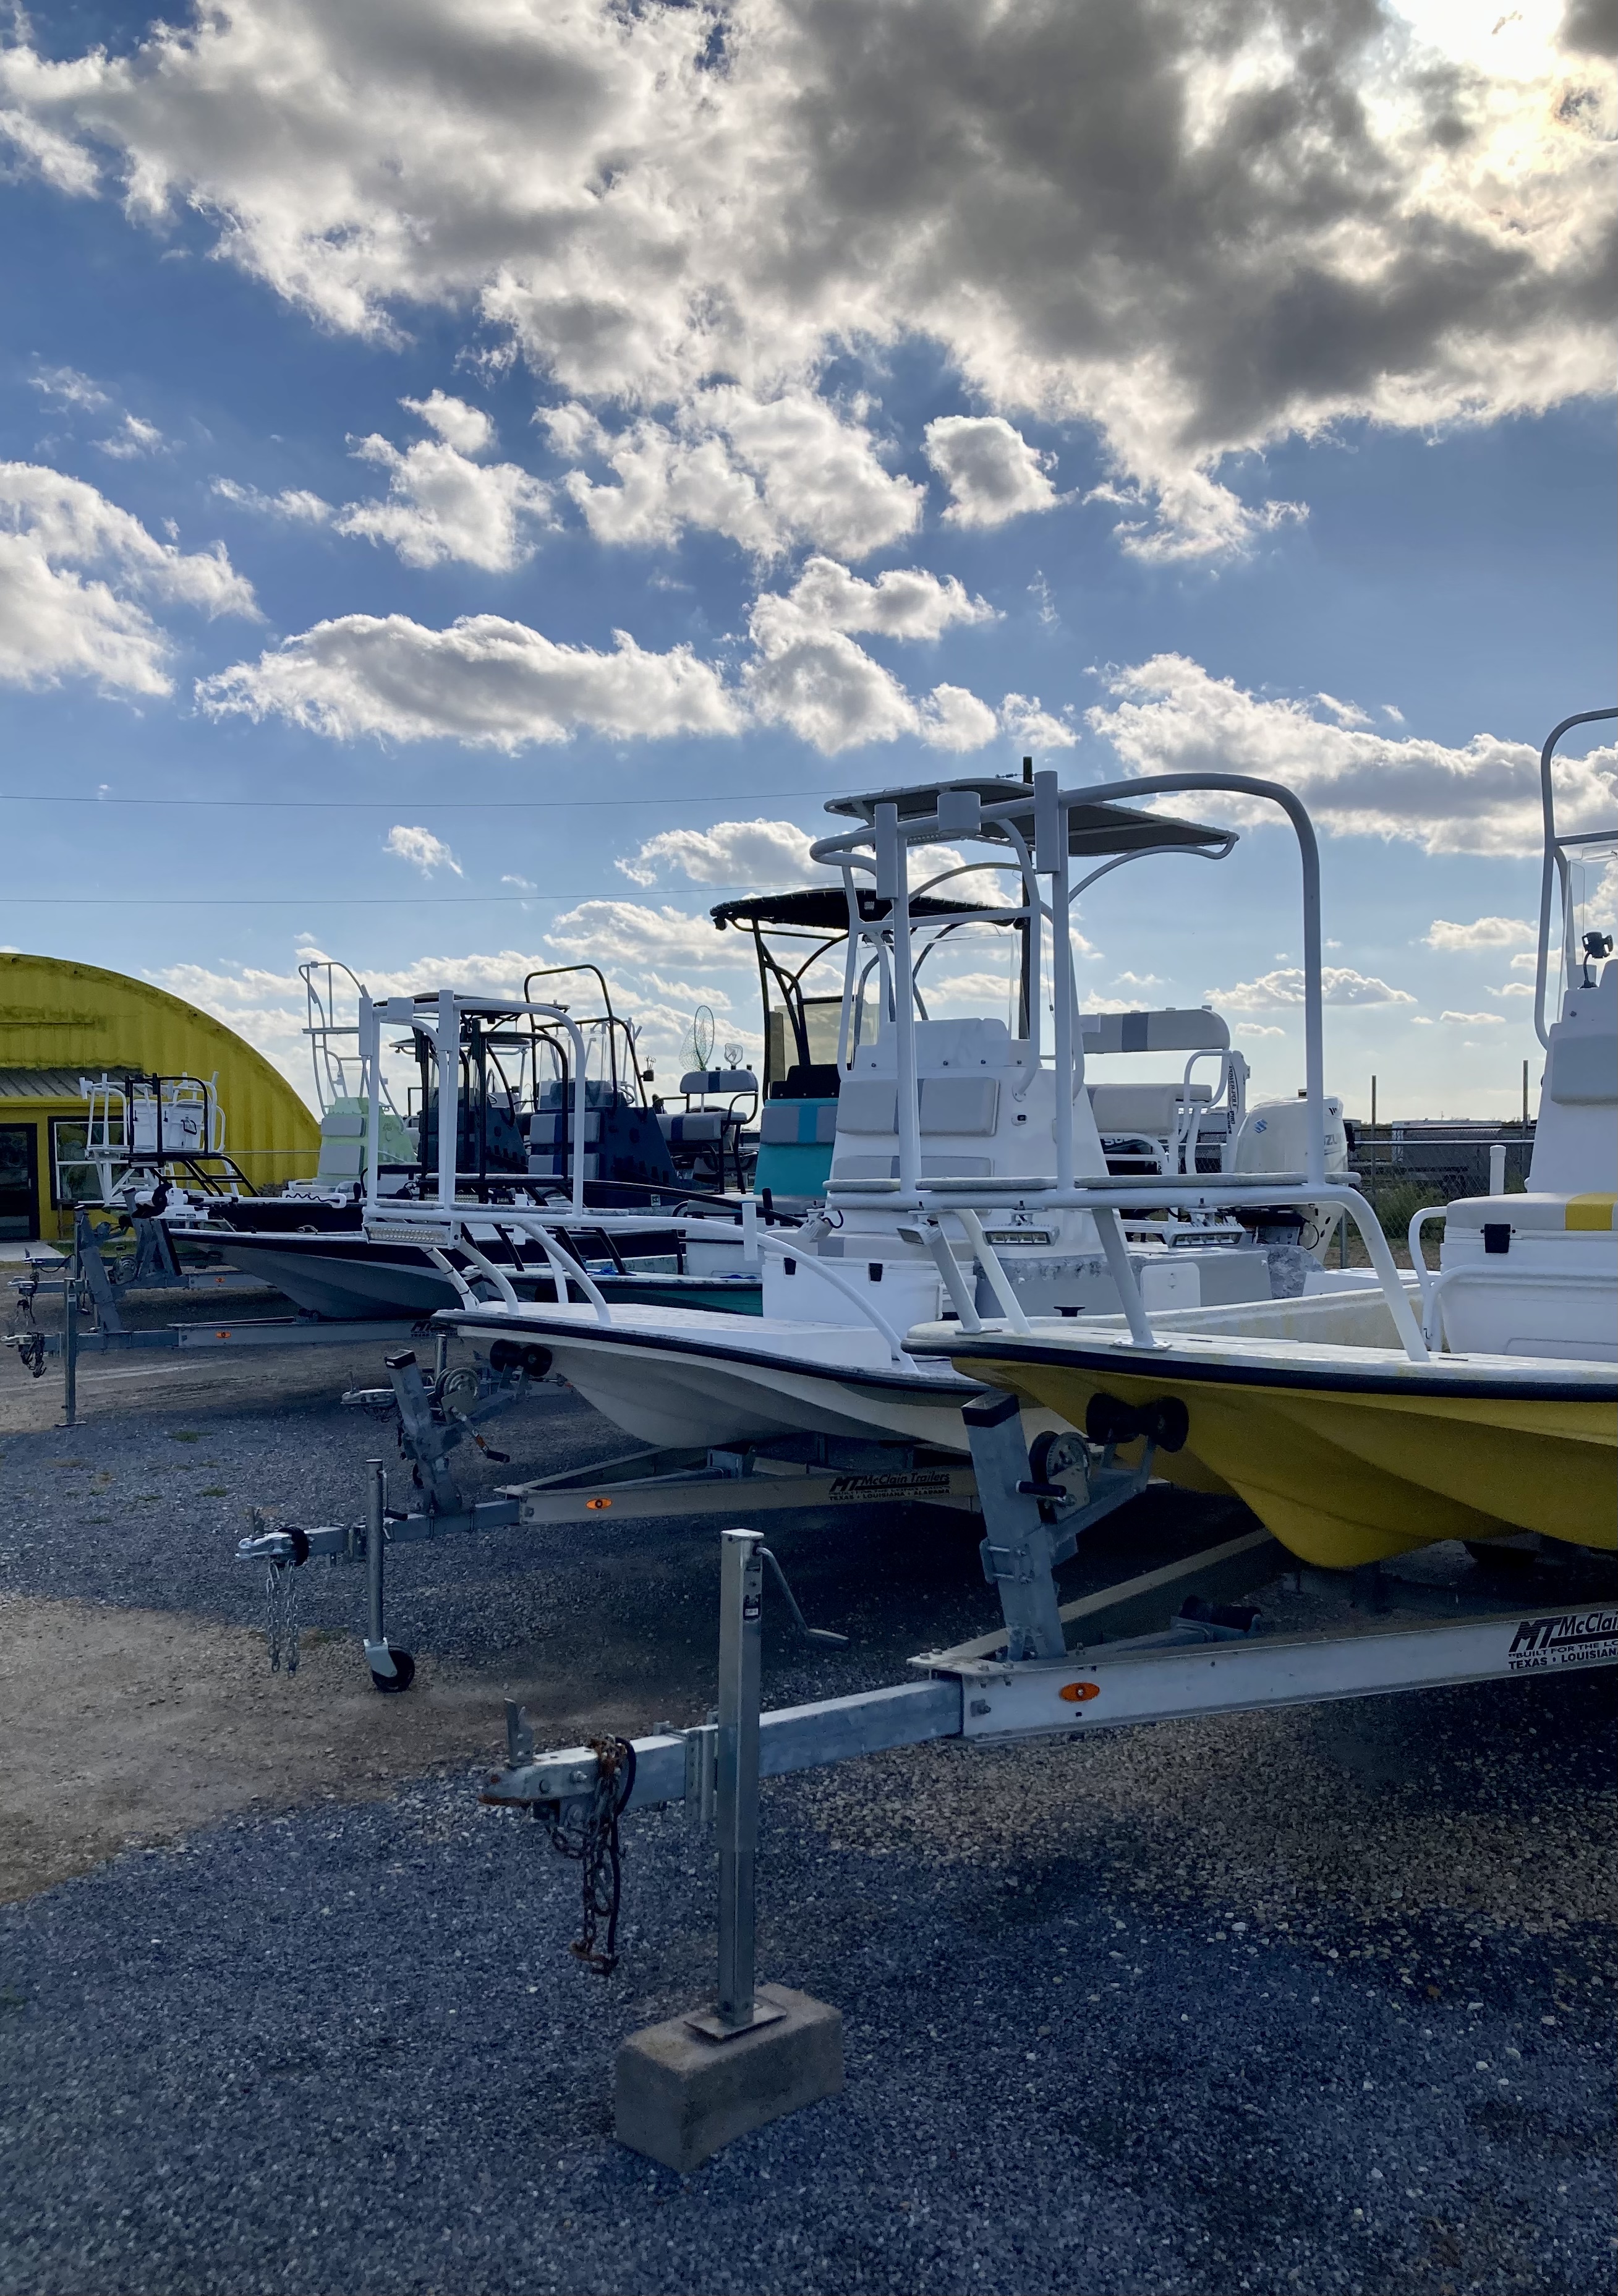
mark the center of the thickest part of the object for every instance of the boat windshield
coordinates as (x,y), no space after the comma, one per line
(1590,907)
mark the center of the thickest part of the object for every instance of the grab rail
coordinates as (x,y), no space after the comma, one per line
(1217,1189)
(1425,1275)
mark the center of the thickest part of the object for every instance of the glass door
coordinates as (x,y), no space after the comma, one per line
(18,1182)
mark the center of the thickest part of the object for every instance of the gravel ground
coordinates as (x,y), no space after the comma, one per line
(143,1504)
(1308,2001)
(347,2051)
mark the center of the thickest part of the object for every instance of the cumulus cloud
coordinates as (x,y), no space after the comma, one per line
(992,472)
(1482,932)
(267,1007)
(808,673)
(76,576)
(441,505)
(952,717)
(1256,1030)
(824,686)
(486,682)
(492,683)
(632,933)
(422,849)
(1023,719)
(1169,715)
(730,853)
(1339,985)
(766,471)
(296,504)
(1513,989)
(466,428)
(1475,1020)
(903,603)
(1195,230)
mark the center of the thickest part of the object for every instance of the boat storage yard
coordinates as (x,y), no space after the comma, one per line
(1074,1692)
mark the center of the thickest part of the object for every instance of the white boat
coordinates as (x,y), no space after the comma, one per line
(546,1117)
(949,1134)
(1353,1431)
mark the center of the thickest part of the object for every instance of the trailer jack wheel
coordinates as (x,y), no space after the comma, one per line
(403,1671)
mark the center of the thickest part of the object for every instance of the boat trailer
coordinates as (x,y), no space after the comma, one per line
(438,1411)
(92,1291)
(755,2052)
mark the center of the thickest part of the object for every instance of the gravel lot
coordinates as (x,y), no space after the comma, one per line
(1309,2001)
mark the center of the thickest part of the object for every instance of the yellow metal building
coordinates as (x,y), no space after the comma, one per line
(61,1023)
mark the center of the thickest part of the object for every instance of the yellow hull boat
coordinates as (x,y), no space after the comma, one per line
(1347,1454)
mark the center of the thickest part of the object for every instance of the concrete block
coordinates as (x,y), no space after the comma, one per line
(678,2097)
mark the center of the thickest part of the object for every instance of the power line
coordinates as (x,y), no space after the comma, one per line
(328,900)
(415,804)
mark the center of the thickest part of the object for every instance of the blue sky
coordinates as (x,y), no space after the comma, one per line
(859,530)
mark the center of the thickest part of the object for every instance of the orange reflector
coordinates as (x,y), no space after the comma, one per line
(598,1502)
(1076,1693)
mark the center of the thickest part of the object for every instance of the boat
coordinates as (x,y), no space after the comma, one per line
(941,1144)
(549,1118)
(1478,1401)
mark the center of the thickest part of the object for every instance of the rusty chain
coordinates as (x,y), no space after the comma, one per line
(598,1850)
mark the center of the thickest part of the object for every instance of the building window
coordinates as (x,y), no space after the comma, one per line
(73,1179)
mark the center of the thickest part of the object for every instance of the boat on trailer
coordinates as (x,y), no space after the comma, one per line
(547,1115)
(1480,1402)
(958,1113)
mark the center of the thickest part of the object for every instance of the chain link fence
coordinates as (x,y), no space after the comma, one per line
(1403,1167)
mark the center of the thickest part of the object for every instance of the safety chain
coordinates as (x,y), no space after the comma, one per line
(597,1847)
(280,1587)
(281,1590)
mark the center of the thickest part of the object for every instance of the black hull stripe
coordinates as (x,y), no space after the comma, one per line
(956,1389)
(1345,1381)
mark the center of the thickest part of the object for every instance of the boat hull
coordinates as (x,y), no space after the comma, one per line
(1349,1465)
(351,1278)
(681,1377)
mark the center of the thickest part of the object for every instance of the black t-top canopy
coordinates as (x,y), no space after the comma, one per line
(824,908)
(1094,831)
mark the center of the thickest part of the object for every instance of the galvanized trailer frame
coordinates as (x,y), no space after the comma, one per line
(88,1282)
(1024,1683)
(435,1416)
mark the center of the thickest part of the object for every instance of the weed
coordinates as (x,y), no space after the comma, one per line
(183,1439)
(214,1491)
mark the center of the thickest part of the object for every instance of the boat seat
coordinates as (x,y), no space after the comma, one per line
(1537,1214)
(697,1127)
(719,1080)
(867,1105)
(966,1105)
(798,1123)
(1154,1109)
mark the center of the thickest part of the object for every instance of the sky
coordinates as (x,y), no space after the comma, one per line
(477,476)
